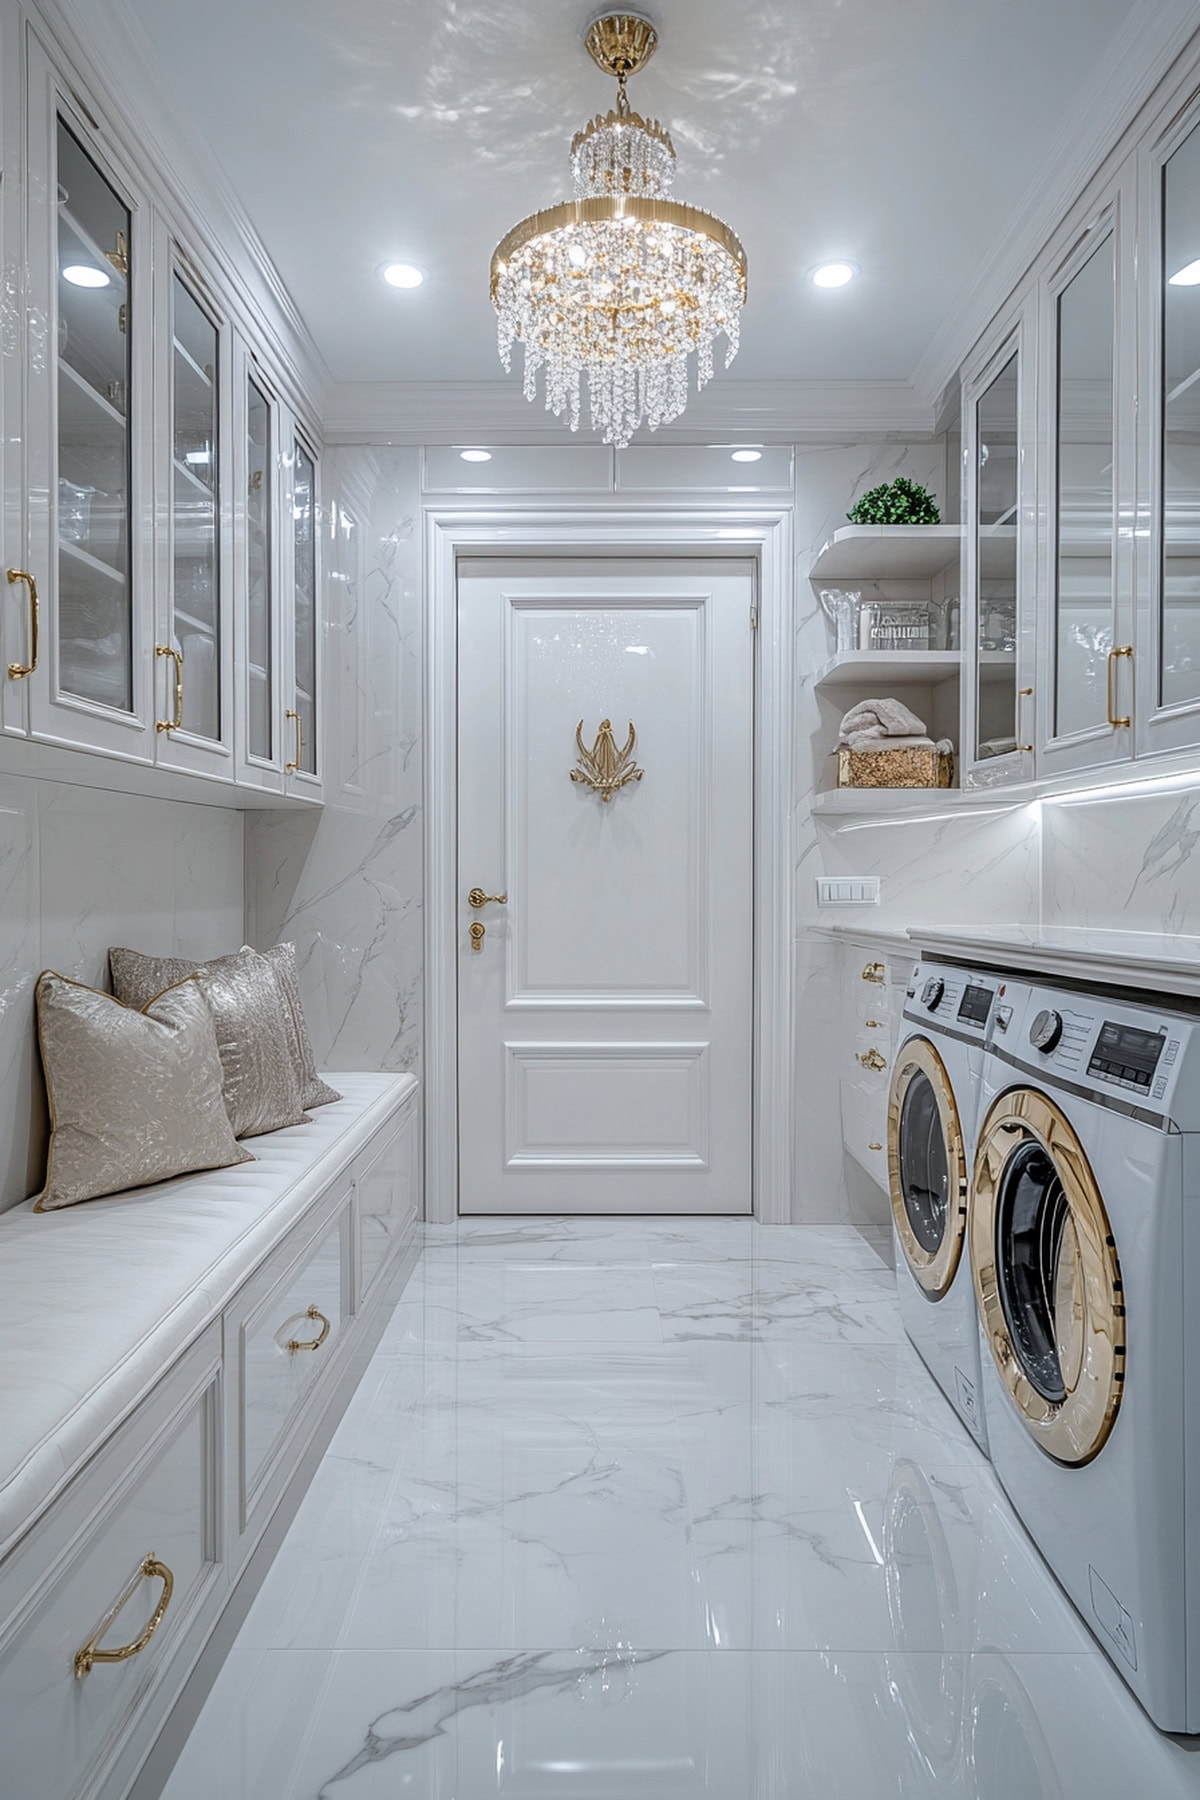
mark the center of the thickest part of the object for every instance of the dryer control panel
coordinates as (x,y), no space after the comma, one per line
(1145,1055)
(959,999)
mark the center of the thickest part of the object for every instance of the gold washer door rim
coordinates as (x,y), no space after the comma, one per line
(1073,1430)
(933,1272)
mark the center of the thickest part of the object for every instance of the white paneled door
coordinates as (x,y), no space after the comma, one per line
(606,991)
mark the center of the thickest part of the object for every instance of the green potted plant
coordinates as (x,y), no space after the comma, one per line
(899,502)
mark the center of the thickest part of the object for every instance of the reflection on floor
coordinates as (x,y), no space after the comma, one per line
(661,1509)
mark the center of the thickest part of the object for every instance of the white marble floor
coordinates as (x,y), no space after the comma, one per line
(641,1511)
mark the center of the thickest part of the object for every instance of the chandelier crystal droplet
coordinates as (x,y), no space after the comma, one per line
(622,284)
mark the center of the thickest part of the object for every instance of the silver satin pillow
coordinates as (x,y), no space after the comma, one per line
(262,1089)
(136,978)
(135,1097)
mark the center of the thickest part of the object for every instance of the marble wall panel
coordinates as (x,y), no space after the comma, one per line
(80,869)
(346,886)
(1124,861)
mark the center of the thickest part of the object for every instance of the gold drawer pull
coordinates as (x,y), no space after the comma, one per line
(313,1312)
(1119,650)
(17,670)
(873,1024)
(176,723)
(293,766)
(875,971)
(871,1059)
(874,1146)
(151,1569)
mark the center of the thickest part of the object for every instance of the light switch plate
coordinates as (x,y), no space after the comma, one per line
(848,890)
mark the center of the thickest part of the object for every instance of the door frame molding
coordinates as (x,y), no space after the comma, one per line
(765,535)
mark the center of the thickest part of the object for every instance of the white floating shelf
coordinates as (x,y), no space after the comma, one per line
(880,668)
(887,552)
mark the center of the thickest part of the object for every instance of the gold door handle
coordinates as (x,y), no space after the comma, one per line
(875,971)
(148,1570)
(17,670)
(176,723)
(871,1059)
(294,1344)
(478,898)
(477,934)
(293,766)
(1118,650)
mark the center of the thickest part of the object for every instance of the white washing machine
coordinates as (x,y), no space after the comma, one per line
(1085,1252)
(932,1116)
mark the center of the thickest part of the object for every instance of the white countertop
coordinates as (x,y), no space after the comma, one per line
(888,938)
(1161,962)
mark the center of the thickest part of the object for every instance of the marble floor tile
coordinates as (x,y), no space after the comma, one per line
(661,1509)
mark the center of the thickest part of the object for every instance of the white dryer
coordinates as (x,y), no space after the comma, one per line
(1085,1252)
(932,1116)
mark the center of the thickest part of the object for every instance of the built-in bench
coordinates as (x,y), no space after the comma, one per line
(166,1358)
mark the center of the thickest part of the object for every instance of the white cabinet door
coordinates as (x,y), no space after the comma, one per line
(1168,644)
(89,455)
(999,394)
(193,650)
(258,635)
(302,621)
(1088,403)
(605,1005)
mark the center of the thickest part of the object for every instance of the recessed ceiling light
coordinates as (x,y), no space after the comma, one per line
(85,275)
(401,275)
(746,456)
(1188,276)
(476,455)
(834,274)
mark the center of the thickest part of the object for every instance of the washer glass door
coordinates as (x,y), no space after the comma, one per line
(1047,1276)
(927,1172)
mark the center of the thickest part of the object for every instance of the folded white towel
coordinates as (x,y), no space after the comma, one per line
(871,740)
(882,718)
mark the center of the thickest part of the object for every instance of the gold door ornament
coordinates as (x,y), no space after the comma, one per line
(604,767)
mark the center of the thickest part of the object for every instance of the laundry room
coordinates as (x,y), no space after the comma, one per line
(600,900)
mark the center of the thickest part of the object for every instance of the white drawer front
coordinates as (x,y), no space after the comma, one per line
(387,1192)
(58,1729)
(864,1127)
(287,1339)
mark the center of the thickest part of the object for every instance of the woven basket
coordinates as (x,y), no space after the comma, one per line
(910,767)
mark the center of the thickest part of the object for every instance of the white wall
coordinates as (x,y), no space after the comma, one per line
(81,869)
(1124,861)
(346,886)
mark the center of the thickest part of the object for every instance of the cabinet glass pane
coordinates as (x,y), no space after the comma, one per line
(95,608)
(304,527)
(194,474)
(996,563)
(1179,674)
(258,571)
(1086,494)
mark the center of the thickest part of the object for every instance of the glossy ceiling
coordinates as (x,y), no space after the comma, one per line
(901,136)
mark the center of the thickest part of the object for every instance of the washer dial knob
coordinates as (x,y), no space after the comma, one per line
(1046,1030)
(931,993)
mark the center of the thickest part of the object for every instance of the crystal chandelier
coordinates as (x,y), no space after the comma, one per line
(622,283)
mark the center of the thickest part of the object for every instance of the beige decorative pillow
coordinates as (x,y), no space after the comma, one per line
(135,1097)
(262,1089)
(136,978)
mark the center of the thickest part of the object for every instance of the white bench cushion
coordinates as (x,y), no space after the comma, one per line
(96,1301)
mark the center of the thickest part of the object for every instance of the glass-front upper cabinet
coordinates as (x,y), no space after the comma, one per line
(302,715)
(191,655)
(996,418)
(1085,668)
(260,623)
(1169,642)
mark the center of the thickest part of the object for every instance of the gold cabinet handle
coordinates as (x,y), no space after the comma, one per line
(873,1024)
(293,766)
(17,670)
(477,934)
(1026,694)
(294,1344)
(871,1059)
(874,1146)
(176,723)
(1117,650)
(148,1570)
(478,898)
(875,971)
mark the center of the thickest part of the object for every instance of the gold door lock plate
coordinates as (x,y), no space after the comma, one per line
(477,934)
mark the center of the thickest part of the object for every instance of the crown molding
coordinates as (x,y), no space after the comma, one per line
(104,48)
(451,412)
(1154,36)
